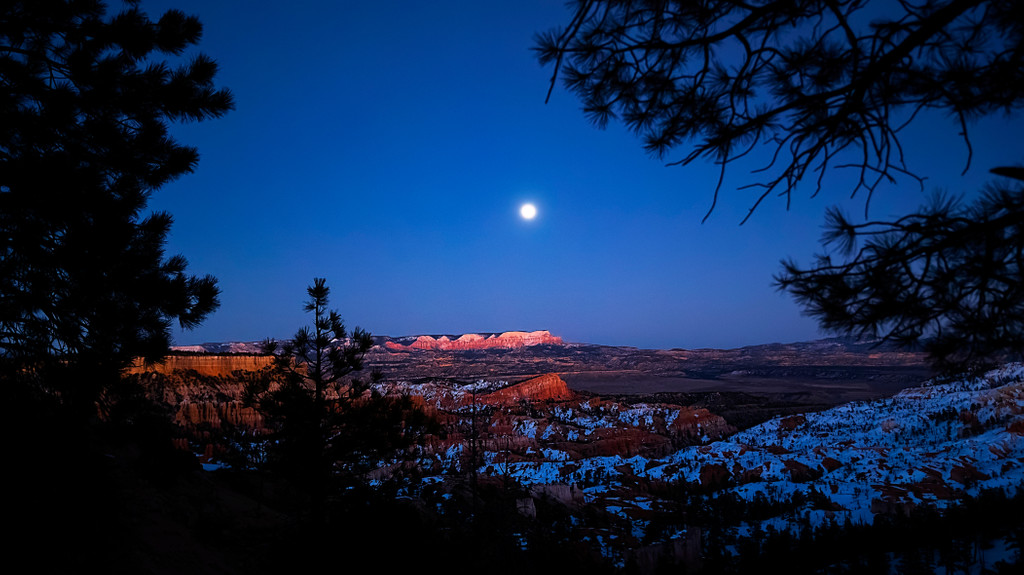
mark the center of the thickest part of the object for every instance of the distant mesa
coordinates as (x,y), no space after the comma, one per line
(507,340)
(469,341)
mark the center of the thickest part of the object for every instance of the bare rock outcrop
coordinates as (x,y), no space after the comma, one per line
(713,475)
(697,422)
(212,365)
(192,415)
(541,388)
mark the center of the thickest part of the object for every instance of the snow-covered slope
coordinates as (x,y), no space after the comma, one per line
(931,444)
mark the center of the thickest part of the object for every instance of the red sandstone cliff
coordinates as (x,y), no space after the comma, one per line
(540,388)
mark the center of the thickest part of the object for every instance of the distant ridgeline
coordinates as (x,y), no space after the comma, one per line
(212,364)
(221,359)
(506,340)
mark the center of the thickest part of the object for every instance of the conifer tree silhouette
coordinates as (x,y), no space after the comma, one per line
(947,279)
(331,426)
(85,285)
(821,85)
(313,394)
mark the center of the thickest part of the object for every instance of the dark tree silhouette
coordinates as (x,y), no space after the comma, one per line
(329,424)
(816,81)
(313,389)
(831,83)
(85,285)
(948,278)
(312,359)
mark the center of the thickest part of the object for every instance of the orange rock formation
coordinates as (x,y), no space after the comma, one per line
(543,387)
(214,365)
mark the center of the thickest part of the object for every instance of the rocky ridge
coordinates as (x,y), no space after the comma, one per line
(463,342)
(204,364)
(506,340)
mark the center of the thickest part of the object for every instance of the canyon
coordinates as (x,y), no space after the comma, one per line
(826,431)
(204,383)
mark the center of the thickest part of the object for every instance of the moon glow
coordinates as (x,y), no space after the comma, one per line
(528,211)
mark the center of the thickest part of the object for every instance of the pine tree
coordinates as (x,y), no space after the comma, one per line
(822,85)
(946,279)
(330,426)
(85,285)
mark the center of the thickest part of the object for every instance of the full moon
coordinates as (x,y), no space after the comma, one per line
(528,211)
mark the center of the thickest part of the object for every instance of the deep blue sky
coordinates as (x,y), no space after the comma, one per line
(388,145)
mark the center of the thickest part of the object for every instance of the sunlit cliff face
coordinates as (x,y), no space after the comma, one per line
(212,365)
(507,340)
